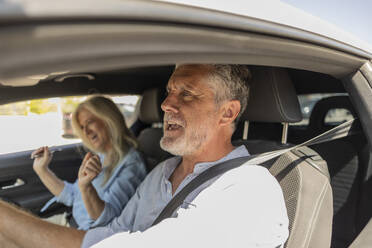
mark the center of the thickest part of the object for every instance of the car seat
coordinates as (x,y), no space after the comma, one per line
(302,173)
(344,162)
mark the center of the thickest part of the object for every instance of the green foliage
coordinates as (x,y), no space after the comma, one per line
(18,108)
(42,106)
(69,104)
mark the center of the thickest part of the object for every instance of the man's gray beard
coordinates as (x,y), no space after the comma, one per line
(183,145)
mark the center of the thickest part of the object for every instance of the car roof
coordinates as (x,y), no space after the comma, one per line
(269,17)
(281,13)
(42,42)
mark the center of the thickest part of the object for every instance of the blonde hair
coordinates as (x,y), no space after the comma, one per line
(120,137)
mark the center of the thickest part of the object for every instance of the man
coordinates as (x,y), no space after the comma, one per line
(243,207)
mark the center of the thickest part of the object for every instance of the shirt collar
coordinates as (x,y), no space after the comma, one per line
(172,163)
(239,151)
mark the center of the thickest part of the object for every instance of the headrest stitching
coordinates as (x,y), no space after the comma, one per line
(276,94)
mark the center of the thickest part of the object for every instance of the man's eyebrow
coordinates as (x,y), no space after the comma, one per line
(184,86)
(188,88)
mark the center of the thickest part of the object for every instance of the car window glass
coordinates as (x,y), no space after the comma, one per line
(307,103)
(47,122)
(337,116)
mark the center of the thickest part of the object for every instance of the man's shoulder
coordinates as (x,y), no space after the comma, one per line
(246,187)
(249,174)
(248,180)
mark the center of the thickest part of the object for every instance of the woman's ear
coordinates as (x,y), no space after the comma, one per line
(230,111)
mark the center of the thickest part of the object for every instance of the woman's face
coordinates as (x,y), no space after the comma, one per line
(94,129)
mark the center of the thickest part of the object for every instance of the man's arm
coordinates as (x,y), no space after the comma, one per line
(28,231)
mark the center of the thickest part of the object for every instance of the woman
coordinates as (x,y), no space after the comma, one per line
(106,181)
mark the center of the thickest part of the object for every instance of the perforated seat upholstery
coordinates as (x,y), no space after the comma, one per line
(302,174)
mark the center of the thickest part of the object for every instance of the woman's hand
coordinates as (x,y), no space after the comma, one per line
(42,158)
(89,169)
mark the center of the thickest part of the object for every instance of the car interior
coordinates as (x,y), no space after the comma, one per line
(325,186)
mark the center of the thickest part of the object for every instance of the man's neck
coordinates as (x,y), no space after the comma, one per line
(205,155)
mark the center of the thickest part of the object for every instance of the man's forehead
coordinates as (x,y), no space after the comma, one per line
(190,76)
(192,69)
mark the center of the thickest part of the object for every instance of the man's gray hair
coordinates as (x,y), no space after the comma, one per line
(233,84)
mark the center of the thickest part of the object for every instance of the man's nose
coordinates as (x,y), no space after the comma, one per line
(170,104)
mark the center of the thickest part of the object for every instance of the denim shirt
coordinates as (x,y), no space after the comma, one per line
(152,196)
(116,192)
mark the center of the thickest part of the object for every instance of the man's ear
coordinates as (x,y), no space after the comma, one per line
(229,112)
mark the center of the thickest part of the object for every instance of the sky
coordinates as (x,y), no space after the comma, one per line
(353,16)
(349,16)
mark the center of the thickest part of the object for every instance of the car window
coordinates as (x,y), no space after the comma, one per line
(337,116)
(307,103)
(30,124)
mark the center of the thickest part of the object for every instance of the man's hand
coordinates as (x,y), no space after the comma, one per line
(89,169)
(42,158)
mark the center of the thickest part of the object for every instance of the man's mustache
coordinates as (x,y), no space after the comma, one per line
(169,117)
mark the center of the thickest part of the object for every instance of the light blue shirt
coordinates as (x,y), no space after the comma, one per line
(116,192)
(152,196)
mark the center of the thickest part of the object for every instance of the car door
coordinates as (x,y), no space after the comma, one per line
(26,126)
(20,185)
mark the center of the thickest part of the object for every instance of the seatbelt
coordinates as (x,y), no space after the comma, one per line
(345,129)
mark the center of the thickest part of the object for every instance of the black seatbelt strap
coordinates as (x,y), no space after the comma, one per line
(340,131)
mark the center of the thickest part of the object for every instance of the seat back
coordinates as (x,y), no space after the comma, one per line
(308,197)
(344,160)
(319,112)
(302,174)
